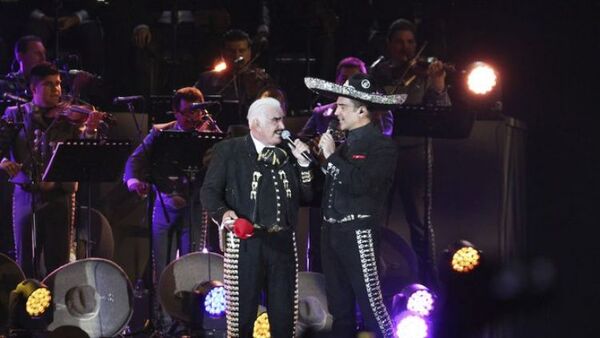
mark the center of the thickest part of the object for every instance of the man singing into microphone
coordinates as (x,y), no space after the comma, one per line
(250,178)
(358,176)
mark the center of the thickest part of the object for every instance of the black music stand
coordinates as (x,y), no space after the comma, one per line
(230,113)
(180,154)
(429,122)
(88,160)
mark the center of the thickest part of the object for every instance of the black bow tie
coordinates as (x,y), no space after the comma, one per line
(272,157)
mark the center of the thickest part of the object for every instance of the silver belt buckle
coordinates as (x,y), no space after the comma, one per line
(346,218)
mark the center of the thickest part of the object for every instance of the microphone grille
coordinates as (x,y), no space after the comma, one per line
(286,134)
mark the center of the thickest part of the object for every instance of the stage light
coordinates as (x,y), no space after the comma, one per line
(410,325)
(191,290)
(38,302)
(465,257)
(214,302)
(219,67)
(481,78)
(30,305)
(416,298)
(262,328)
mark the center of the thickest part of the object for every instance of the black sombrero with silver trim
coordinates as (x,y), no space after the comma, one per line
(359,87)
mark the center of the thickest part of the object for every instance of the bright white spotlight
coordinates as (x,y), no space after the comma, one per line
(481,78)
(416,298)
(214,303)
(411,325)
(420,302)
(219,67)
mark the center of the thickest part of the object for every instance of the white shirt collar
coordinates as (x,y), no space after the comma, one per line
(257,144)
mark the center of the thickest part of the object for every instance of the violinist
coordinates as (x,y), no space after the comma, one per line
(46,122)
(424,84)
(240,81)
(30,51)
(174,192)
(400,73)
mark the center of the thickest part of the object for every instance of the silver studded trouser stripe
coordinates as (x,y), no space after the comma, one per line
(295,284)
(366,249)
(230,273)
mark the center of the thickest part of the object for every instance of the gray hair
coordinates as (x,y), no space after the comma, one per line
(259,107)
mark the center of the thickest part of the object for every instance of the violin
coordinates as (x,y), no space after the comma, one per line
(207,124)
(66,110)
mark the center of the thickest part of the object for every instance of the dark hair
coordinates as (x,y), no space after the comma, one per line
(236,35)
(401,25)
(23,43)
(276,93)
(39,72)
(190,94)
(350,61)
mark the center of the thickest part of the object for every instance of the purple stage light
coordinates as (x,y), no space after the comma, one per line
(214,303)
(416,298)
(421,302)
(411,325)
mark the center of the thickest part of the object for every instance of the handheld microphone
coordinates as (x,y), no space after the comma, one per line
(286,135)
(75,72)
(204,105)
(333,125)
(127,99)
(14,98)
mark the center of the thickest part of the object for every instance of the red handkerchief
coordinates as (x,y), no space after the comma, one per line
(359,157)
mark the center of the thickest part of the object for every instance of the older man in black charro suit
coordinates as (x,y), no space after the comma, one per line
(251,178)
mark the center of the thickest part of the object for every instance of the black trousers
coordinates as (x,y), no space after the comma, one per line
(349,258)
(264,261)
(53,219)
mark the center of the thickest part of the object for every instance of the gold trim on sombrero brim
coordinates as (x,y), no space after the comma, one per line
(326,87)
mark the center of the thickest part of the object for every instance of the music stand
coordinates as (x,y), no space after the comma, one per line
(230,113)
(88,161)
(179,154)
(429,122)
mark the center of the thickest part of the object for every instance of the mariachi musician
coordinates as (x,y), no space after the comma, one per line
(46,122)
(424,83)
(171,230)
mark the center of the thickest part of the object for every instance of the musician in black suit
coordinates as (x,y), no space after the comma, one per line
(252,178)
(358,176)
(426,87)
(46,122)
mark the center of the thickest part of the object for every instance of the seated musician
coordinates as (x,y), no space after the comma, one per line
(171,228)
(46,121)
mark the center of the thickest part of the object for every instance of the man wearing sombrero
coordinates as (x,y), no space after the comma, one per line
(358,176)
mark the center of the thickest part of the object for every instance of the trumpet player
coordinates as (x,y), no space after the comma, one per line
(170,224)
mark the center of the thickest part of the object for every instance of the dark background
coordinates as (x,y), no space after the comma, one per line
(547,54)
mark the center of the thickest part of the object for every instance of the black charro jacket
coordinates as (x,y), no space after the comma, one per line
(359,174)
(228,182)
